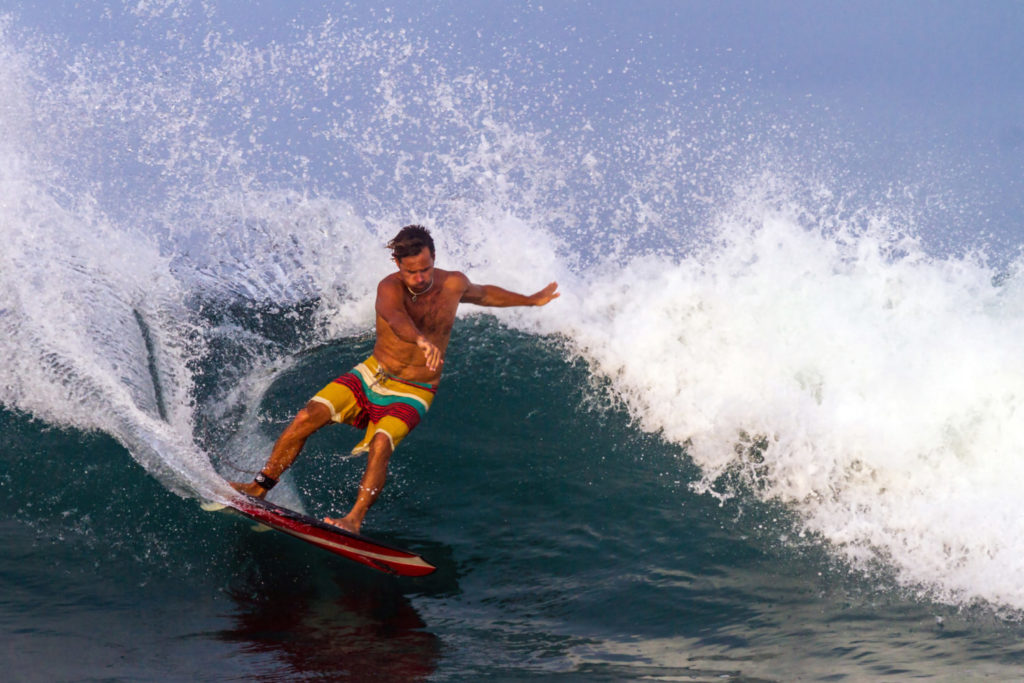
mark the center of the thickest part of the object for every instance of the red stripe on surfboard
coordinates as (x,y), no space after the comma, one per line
(336,540)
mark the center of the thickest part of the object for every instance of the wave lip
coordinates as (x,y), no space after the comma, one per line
(870,386)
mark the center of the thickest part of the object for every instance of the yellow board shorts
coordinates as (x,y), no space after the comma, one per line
(367,397)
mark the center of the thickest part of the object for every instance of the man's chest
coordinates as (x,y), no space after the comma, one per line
(433,316)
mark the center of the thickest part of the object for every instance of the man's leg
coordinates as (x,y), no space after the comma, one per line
(371,485)
(311,418)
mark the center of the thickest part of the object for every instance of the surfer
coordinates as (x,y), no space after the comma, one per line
(390,392)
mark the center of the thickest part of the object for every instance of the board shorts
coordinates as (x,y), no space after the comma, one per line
(368,398)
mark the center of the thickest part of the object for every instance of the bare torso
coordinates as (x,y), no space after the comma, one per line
(433,313)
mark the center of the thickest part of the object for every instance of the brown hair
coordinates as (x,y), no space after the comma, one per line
(410,241)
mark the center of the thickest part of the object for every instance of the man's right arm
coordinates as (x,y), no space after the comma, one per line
(391,308)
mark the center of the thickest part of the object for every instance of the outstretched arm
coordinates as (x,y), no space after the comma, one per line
(490,295)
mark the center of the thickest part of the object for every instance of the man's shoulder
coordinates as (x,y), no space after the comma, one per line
(391,280)
(454,278)
(457,275)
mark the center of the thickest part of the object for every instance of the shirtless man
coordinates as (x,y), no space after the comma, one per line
(389,392)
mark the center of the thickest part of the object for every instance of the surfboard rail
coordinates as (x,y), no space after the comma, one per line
(356,547)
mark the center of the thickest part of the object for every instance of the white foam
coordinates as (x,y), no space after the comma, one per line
(882,384)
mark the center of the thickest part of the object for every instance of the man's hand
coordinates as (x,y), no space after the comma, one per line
(545,295)
(430,352)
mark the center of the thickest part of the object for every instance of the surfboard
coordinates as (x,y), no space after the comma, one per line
(352,546)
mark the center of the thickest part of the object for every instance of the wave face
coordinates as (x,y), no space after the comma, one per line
(193,208)
(870,387)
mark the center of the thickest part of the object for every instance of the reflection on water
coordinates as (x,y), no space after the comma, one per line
(343,626)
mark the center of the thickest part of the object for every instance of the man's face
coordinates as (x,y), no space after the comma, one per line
(417,272)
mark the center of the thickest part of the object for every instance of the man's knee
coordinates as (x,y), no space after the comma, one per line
(380,445)
(311,418)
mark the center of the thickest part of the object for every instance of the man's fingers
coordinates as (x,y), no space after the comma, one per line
(545,295)
(432,355)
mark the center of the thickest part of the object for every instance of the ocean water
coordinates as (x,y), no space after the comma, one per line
(768,432)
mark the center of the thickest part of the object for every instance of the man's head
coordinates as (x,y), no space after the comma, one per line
(410,241)
(413,250)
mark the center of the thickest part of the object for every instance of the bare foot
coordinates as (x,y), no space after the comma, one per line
(252,488)
(344,522)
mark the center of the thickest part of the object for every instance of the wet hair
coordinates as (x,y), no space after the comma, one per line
(410,241)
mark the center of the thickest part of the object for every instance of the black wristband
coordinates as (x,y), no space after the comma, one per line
(265,482)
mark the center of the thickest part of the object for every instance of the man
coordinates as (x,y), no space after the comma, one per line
(389,392)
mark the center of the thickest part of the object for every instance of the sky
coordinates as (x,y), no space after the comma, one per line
(915,92)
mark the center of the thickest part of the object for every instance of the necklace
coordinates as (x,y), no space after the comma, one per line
(416,295)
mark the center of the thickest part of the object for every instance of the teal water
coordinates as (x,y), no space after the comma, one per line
(567,541)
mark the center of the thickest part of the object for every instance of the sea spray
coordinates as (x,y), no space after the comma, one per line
(844,371)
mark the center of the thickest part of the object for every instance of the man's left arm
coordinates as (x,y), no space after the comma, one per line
(491,295)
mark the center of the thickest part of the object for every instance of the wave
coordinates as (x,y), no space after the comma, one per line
(220,208)
(869,386)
